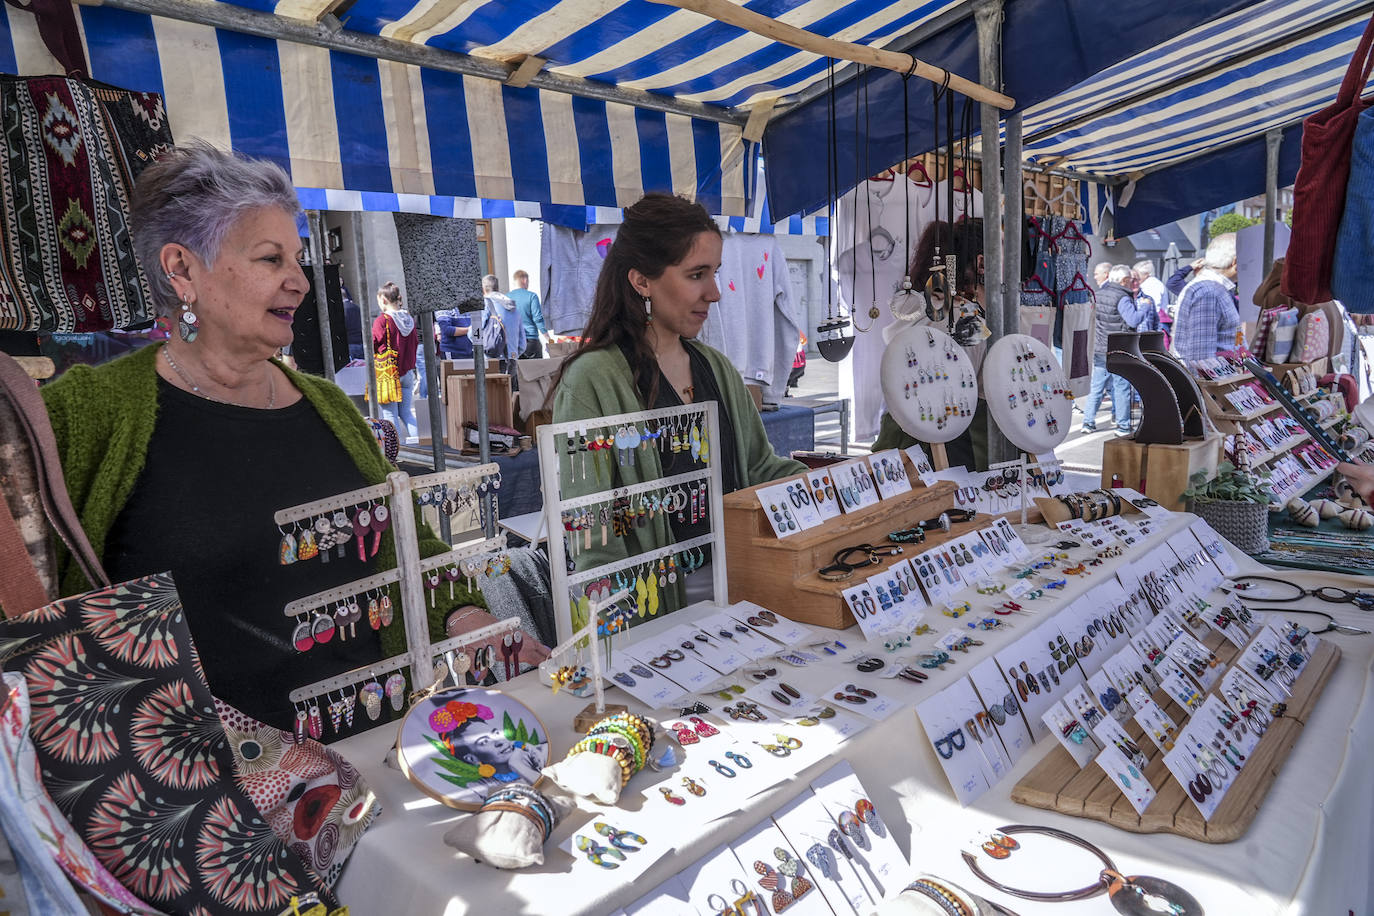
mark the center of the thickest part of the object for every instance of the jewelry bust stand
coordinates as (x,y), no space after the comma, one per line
(1161,419)
(1151,347)
(1028,394)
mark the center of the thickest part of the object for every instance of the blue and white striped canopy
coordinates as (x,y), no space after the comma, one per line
(1118,89)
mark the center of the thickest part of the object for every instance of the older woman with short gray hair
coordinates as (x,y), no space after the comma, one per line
(178,455)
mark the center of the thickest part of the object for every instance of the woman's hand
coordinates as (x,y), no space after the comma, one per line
(470,617)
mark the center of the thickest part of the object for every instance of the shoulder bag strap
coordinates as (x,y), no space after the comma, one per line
(1357,74)
(19,389)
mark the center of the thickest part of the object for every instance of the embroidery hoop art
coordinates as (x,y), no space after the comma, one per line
(419,756)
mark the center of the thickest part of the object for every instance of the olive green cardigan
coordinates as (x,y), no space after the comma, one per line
(600,384)
(103,419)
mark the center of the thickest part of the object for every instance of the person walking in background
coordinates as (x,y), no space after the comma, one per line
(509,342)
(353,323)
(454,328)
(1208,316)
(395,329)
(1138,310)
(1154,288)
(1107,315)
(531,316)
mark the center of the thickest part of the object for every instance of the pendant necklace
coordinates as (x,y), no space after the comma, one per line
(196,389)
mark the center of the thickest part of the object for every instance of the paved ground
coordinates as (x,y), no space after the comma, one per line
(1081,451)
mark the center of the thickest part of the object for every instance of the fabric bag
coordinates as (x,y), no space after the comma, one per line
(1312,338)
(70,151)
(493,333)
(1352,270)
(1319,192)
(1281,333)
(129,744)
(1264,329)
(385,363)
(1080,337)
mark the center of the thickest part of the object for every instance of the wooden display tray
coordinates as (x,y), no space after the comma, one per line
(780,573)
(1057,784)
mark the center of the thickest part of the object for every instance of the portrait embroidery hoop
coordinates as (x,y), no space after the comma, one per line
(418,757)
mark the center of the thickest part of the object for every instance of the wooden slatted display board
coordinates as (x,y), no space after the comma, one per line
(1057,784)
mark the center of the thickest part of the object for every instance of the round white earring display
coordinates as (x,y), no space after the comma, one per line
(1027,393)
(929,384)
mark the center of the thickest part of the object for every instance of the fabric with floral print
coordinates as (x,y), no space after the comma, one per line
(133,753)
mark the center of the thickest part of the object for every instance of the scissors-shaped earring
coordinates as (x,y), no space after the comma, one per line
(621,839)
(598,854)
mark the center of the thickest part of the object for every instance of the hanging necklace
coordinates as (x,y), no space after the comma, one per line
(861,192)
(196,389)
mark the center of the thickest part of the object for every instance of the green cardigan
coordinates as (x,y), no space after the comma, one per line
(103,419)
(600,384)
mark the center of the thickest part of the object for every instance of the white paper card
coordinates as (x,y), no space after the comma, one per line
(1127,777)
(889,472)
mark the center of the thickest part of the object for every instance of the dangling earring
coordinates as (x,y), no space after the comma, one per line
(188,325)
(648,310)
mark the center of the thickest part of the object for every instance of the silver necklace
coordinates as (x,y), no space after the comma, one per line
(196,389)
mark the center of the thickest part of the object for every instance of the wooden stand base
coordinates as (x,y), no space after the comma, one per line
(584,720)
(1057,784)
(1159,471)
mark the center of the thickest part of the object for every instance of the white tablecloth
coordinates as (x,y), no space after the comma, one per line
(1307,852)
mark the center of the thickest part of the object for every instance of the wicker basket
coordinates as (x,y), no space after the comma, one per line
(1243,523)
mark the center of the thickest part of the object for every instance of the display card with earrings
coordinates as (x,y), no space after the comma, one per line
(1071,733)
(854,485)
(888,470)
(1128,776)
(826,498)
(790,505)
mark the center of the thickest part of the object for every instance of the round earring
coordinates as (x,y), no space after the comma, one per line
(188,325)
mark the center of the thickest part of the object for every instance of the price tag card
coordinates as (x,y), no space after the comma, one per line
(1215,547)
(808,828)
(854,485)
(784,508)
(943,716)
(1019,549)
(827,501)
(1002,704)
(921,462)
(1127,777)
(772,624)
(889,472)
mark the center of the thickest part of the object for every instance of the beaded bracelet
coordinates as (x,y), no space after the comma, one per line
(943,896)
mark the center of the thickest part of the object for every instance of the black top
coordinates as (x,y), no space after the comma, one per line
(202,508)
(705,388)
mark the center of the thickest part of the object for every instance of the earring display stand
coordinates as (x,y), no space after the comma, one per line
(408,574)
(929,384)
(778,572)
(557,440)
(1057,783)
(1025,388)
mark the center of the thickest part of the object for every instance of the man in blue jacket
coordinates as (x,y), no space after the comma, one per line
(531,316)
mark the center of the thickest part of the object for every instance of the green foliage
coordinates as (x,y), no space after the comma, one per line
(1228,222)
(517,731)
(1230,485)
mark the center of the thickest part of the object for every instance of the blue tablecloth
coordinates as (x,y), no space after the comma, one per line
(789,429)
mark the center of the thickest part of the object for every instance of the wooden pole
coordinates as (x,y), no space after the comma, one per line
(898,61)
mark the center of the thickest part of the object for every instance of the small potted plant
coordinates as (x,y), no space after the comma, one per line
(1235,502)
